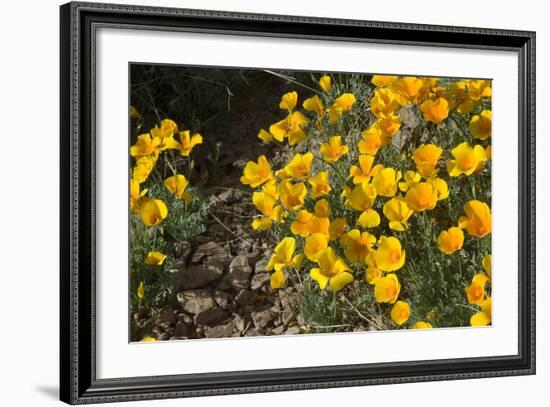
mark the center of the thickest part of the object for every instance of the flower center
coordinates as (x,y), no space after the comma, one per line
(391,291)
(395,256)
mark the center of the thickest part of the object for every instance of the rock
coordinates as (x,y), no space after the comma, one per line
(168,316)
(289,299)
(253,332)
(182,330)
(259,280)
(292,330)
(245,297)
(196,301)
(212,316)
(261,318)
(218,261)
(231,196)
(408,117)
(225,282)
(220,331)
(221,298)
(239,323)
(401,138)
(198,276)
(260,266)
(278,330)
(207,249)
(187,319)
(240,272)
(182,251)
(288,316)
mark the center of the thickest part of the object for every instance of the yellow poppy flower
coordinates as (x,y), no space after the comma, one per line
(398,213)
(277,279)
(315,244)
(358,245)
(283,174)
(265,203)
(337,228)
(283,256)
(387,288)
(333,149)
(488,152)
(389,255)
(480,125)
(319,185)
(383,80)
(435,111)
(466,159)
(475,292)
(363,172)
(400,312)
(167,128)
(451,240)
(325,83)
(265,136)
(362,197)
(155,258)
(440,187)
(479,88)
(322,208)
(153,212)
(385,182)
(421,197)
(422,325)
(134,114)
(483,317)
(271,188)
(290,127)
(146,145)
(384,102)
(371,141)
(255,174)
(369,219)
(477,220)
(426,158)
(332,270)
(300,226)
(411,178)
(409,88)
(342,104)
(373,273)
(187,143)
(319,225)
(148,339)
(135,195)
(300,166)
(289,101)
(389,126)
(315,105)
(486,263)
(141,291)
(292,195)
(428,85)
(165,133)
(143,168)
(177,185)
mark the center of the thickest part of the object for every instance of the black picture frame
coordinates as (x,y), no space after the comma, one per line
(78,382)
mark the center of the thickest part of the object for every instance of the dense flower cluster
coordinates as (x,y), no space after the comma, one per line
(146,153)
(342,206)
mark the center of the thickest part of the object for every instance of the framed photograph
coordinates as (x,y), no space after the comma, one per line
(256,203)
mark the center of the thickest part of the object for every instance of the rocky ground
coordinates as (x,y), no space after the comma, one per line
(221,289)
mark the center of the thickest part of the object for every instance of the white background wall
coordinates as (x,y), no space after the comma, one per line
(29,201)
